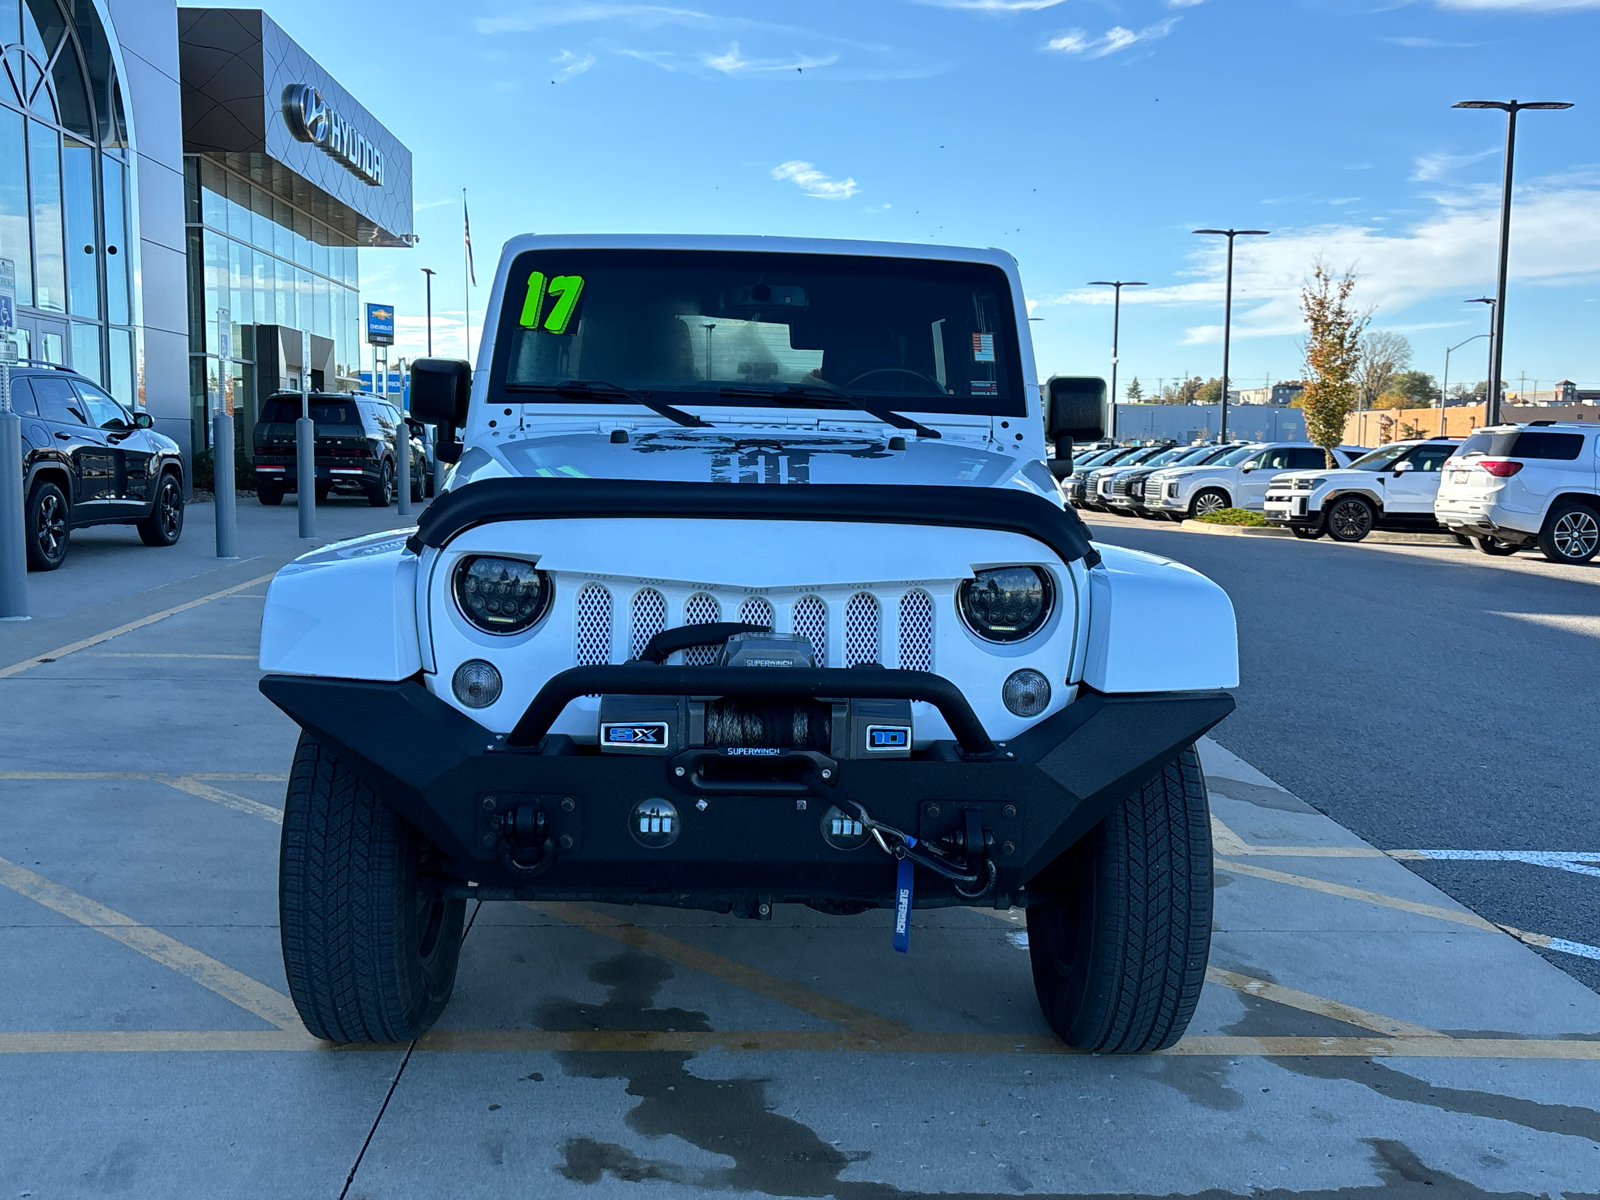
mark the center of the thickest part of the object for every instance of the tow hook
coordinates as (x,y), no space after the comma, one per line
(526,828)
(973,843)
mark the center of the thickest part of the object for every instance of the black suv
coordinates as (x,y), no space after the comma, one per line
(354,447)
(87,460)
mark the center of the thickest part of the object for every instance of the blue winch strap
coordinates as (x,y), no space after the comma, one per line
(902,905)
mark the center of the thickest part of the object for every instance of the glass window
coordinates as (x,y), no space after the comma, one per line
(103,411)
(320,323)
(15,243)
(71,94)
(302,239)
(86,350)
(191,190)
(57,401)
(1380,459)
(1533,444)
(114,209)
(49,270)
(238,208)
(1235,457)
(282,230)
(302,289)
(800,331)
(286,409)
(283,293)
(1306,458)
(261,277)
(213,194)
(22,394)
(319,248)
(77,190)
(260,219)
(42,27)
(122,366)
(241,285)
(216,278)
(1430,457)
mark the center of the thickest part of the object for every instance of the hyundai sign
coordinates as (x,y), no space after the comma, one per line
(380,324)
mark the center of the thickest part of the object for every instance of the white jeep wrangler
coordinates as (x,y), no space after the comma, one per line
(750,586)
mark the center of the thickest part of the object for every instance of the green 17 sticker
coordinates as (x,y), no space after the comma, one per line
(563,289)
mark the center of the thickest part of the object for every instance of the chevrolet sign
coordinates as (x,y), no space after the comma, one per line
(310,119)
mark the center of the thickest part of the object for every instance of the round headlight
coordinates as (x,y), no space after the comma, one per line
(501,595)
(476,683)
(1026,692)
(1006,604)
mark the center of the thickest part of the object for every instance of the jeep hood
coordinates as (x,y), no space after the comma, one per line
(747,456)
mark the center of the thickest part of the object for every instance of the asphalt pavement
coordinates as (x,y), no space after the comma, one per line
(1427,698)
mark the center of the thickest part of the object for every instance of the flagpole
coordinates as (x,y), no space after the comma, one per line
(466,268)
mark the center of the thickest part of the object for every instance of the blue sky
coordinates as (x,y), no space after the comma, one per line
(1087,137)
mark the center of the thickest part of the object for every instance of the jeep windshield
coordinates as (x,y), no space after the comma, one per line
(744,329)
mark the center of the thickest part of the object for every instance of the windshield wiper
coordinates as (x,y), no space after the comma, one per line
(599,389)
(841,400)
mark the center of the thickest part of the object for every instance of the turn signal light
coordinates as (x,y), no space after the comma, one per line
(1500,468)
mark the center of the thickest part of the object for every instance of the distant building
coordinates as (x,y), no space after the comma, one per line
(1280,394)
(1564,392)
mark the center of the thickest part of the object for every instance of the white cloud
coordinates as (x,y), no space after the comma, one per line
(1435,166)
(1555,242)
(544,16)
(996,6)
(1077,42)
(571,64)
(734,63)
(1184,3)
(813,182)
(1422,43)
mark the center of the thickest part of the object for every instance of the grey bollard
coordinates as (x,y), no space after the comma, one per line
(305,474)
(13,534)
(440,469)
(222,473)
(402,479)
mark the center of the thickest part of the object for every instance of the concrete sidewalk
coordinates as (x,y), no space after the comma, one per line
(1360,1033)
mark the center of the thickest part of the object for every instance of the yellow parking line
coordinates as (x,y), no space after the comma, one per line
(188,783)
(85,643)
(1352,893)
(856,1020)
(249,994)
(1225,841)
(1320,1005)
(634,1041)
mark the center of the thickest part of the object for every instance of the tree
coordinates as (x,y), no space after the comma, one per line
(1135,393)
(1333,355)
(1411,389)
(1383,353)
(1209,392)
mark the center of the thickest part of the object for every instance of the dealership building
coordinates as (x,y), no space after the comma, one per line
(159,165)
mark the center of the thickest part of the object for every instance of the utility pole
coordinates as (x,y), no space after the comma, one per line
(1497,343)
(428,274)
(1116,331)
(1227,314)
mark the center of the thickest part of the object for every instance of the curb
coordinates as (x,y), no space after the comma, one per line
(1235,530)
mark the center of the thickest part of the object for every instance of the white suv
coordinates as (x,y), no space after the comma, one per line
(1391,488)
(1236,480)
(1511,487)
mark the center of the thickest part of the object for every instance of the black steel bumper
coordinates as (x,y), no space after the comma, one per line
(1035,796)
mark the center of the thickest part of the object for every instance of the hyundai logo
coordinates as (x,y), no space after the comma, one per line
(311,119)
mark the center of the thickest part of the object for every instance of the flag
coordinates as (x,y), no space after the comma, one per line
(466,228)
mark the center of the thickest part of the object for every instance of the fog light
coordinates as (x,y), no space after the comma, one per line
(1026,692)
(477,684)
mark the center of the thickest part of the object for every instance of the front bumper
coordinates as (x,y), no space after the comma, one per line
(1293,511)
(1042,792)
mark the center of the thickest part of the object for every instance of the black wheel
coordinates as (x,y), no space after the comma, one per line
(1301,531)
(381,494)
(370,945)
(430,484)
(1493,546)
(1571,533)
(164,525)
(1120,935)
(1350,519)
(322,491)
(47,527)
(1462,540)
(417,472)
(269,494)
(1209,501)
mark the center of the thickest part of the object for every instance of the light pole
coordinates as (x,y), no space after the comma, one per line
(428,274)
(1444,388)
(1491,410)
(1227,315)
(1116,330)
(1497,343)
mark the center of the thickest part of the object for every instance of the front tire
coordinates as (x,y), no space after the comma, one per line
(416,484)
(164,525)
(1571,533)
(1350,519)
(1209,501)
(1120,938)
(48,532)
(370,946)
(381,494)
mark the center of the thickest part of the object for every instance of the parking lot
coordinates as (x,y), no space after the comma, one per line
(1363,1031)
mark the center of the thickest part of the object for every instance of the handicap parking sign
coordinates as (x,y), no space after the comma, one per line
(8,294)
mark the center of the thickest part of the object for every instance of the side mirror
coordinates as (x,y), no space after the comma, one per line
(1074,411)
(142,420)
(1404,466)
(441,391)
